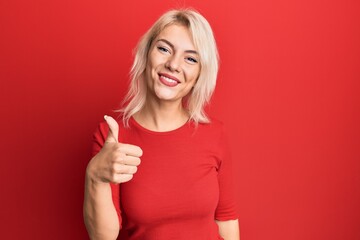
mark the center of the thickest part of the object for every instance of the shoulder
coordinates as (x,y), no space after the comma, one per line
(214,129)
(214,124)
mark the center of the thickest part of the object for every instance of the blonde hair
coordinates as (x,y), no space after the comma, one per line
(205,44)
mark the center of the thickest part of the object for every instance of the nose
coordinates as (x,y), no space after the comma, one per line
(173,63)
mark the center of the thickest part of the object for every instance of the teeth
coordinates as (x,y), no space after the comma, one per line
(169,80)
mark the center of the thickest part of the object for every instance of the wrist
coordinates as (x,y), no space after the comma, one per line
(91,173)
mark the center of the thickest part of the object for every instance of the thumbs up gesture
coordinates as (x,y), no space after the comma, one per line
(116,162)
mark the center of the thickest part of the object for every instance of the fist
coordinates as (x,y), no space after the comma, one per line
(116,162)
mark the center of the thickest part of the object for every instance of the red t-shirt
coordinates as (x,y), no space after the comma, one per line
(183,183)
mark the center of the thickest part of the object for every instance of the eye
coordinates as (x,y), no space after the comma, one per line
(191,59)
(163,49)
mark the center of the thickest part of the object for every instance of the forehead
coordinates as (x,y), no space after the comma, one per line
(179,36)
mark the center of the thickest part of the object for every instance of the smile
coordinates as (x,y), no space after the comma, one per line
(168,80)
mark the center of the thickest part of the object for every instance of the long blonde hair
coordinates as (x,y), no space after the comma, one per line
(205,44)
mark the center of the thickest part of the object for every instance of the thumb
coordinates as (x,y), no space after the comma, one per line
(113,134)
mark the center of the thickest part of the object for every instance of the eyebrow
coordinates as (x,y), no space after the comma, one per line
(172,46)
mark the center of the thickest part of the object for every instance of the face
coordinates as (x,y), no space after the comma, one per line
(173,64)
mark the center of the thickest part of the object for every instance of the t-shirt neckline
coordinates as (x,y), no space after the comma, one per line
(176,130)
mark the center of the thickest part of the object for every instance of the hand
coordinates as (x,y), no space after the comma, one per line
(116,162)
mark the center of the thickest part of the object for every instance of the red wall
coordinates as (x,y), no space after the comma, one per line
(288,88)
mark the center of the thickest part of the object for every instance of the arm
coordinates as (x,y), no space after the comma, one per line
(229,230)
(226,215)
(114,163)
(100,216)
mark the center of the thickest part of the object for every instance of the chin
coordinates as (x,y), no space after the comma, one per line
(166,98)
(165,94)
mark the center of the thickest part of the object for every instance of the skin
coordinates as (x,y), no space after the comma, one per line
(173,54)
(116,162)
(229,230)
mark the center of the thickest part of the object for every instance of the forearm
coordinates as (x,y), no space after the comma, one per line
(100,216)
(229,230)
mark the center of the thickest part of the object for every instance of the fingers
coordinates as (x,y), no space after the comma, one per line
(113,137)
(124,169)
(122,158)
(130,150)
(121,178)
(122,173)
(113,134)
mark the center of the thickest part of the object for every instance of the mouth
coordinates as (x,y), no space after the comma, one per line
(168,80)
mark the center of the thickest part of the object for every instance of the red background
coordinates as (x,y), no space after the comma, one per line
(288,88)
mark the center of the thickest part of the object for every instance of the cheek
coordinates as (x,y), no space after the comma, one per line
(155,58)
(150,60)
(151,66)
(194,75)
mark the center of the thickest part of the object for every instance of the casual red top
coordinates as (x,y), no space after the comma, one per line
(182,185)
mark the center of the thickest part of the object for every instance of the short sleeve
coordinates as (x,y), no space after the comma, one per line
(227,206)
(99,137)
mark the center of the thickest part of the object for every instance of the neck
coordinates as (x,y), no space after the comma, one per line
(162,116)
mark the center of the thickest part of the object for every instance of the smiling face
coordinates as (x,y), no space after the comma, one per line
(173,64)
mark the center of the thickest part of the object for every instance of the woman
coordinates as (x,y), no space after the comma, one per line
(182,188)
